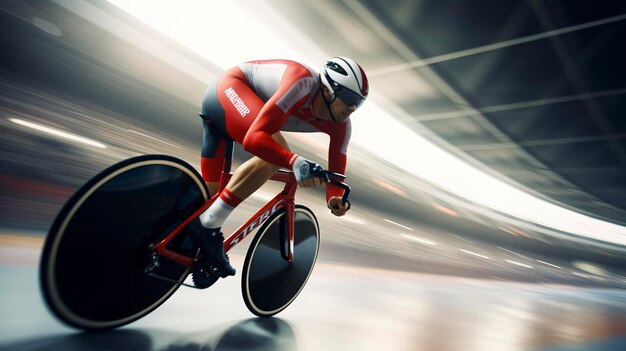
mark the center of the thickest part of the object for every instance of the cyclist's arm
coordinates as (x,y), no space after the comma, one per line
(337,155)
(259,141)
(292,93)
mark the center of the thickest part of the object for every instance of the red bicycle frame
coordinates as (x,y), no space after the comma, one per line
(286,198)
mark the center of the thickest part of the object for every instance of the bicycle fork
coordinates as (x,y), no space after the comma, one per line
(287,232)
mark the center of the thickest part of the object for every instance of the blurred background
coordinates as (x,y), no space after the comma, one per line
(488,165)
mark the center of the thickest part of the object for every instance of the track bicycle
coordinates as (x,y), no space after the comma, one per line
(117,250)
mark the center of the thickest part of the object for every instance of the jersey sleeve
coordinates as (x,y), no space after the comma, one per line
(337,154)
(294,89)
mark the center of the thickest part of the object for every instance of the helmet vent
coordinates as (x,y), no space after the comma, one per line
(335,67)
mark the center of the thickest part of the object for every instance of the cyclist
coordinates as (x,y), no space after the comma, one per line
(250,104)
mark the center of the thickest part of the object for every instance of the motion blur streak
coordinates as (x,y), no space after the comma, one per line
(58,133)
(519,264)
(411,237)
(445,210)
(475,254)
(398,224)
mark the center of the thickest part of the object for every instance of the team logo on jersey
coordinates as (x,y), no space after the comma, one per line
(237,102)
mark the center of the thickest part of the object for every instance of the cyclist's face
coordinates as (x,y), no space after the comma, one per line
(341,110)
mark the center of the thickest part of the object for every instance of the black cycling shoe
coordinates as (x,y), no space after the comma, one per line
(211,242)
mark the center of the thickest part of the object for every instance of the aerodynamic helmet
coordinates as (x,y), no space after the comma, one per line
(346,80)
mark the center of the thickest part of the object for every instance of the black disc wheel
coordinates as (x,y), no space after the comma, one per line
(92,266)
(269,282)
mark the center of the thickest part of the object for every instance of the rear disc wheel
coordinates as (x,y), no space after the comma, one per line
(92,267)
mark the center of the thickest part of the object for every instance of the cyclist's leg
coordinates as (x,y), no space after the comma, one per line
(216,156)
(232,105)
(217,146)
(247,179)
(216,149)
(251,175)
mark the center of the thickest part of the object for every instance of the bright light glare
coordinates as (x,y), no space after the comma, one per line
(406,149)
(226,35)
(57,133)
(218,30)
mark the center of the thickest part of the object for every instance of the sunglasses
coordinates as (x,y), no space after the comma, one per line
(349,97)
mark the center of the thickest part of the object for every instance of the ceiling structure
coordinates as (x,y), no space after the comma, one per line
(531,91)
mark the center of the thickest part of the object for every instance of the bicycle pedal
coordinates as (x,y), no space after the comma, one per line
(215,271)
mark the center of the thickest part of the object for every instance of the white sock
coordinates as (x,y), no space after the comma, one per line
(216,214)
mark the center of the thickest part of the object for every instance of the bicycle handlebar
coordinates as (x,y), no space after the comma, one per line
(328,176)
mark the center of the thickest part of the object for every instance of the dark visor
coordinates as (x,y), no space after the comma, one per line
(349,97)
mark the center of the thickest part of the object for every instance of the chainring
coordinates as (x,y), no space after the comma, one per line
(202,277)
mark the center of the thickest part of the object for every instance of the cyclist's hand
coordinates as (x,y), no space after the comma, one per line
(337,207)
(303,169)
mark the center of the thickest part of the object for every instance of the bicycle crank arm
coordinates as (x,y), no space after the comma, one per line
(150,274)
(154,264)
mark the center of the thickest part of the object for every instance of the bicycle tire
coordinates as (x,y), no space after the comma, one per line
(269,283)
(92,265)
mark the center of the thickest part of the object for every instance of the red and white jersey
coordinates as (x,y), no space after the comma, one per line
(287,89)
